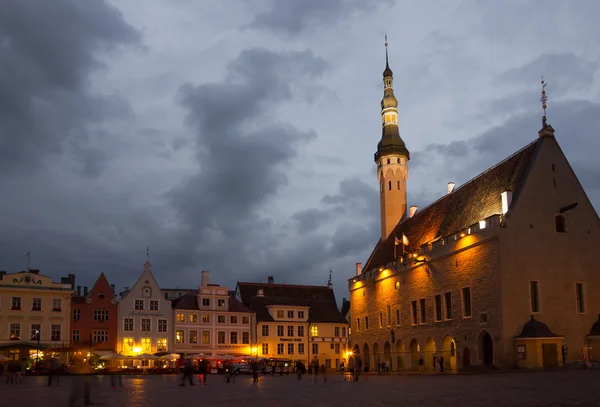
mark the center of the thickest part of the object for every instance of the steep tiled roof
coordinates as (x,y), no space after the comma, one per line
(188,301)
(473,201)
(536,329)
(320,300)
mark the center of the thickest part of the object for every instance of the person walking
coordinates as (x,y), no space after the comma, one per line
(188,369)
(254,370)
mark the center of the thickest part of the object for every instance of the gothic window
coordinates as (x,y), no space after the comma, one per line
(561,224)
(398,183)
(390,185)
(381,187)
(388,160)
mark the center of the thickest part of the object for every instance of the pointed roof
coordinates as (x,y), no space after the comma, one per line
(473,201)
(536,329)
(595,328)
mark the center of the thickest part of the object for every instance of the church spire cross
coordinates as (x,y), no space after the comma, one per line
(544,100)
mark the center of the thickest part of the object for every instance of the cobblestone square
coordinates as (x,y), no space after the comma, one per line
(556,388)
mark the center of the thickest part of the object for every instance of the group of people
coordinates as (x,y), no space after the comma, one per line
(383,367)
(13,371)
(187,368)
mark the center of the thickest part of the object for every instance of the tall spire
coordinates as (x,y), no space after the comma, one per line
(388,72)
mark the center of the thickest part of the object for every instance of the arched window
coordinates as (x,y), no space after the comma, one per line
(381,187)
(388,160)
(561,224)
(398,182)
(390,185)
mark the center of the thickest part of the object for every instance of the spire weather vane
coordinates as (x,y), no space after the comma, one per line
(544,99)
(329,282)
(148,254)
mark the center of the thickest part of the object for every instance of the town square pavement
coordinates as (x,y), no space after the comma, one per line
(553,388)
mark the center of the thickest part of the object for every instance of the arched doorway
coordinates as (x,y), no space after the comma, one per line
(376,354)
(366,358)
(486,348)
(400,354)
(466,357)
(415,349)
(449,353)
(387,353)
(429,353)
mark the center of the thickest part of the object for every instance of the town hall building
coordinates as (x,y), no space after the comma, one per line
(499,272)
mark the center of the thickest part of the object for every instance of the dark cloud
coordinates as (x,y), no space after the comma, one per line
(295,17)
(47,53)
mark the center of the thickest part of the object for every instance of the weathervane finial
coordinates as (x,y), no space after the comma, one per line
(148,253)
(544,99)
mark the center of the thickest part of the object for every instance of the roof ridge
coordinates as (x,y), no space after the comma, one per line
(476,177)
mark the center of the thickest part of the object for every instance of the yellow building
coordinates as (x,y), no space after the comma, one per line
(460,279)
(32,307)
(296,323)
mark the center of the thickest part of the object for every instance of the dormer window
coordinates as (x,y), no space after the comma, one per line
(221,302)
(279,313)
(561,223)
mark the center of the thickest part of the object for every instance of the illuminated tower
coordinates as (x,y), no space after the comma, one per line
(392,159)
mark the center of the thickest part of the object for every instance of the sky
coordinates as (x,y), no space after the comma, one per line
(238,137)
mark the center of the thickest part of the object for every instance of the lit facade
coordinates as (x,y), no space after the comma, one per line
(462,278)
(209,321)
(31,303)
(145,318)
(296,322)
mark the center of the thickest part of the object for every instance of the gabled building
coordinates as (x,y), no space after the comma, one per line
(296,322)
(145,318)
(94,317)
(34,314)
(462,277)
(209,321)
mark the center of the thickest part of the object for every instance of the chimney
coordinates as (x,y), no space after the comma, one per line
(506,200)
(412,211)
(451,187)
(2,273)
(260,292)
(205,278)
(78,290)
(85,291)
(112,288)
(271,280)
(330,285)
(358,269)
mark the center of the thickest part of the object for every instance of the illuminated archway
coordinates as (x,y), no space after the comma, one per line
(449,352)
(376,353)
(415,351)
(399,354)
(429,353)
(387,354)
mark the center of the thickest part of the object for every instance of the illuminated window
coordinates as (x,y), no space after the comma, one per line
(534,291)
(128,344)
(221,337)
(245,337)
(280,348)
(221,302)
(146,345)
(179,336)
(265,348)
(206,318)
(161,345)
(561,224)
(180,317)
(580,297)
(300,349)
(301,331)
(15,331)
(314,330)
(193,336)
(193,318)
(205,337)
(162,325)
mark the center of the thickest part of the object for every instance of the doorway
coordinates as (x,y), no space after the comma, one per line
(486,348)
(550,354)
(466,357)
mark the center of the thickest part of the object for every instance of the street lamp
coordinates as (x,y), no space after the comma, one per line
(37,355)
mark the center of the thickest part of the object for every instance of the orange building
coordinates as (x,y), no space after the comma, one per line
(94,318)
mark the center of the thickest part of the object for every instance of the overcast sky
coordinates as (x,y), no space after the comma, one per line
(238,136)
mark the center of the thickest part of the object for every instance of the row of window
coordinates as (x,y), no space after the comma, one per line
(36,304)
(99,315)
(146,345)
(534,297)
(35,331)
(99,335)
(290,314)
(314,330)
(234,337)
(145,325)
(140,305)
(298,348)
(205,318)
